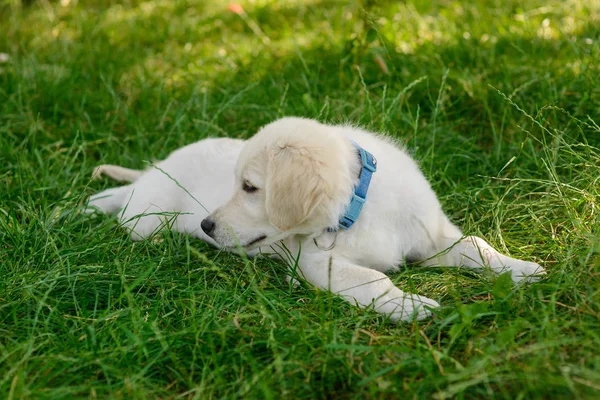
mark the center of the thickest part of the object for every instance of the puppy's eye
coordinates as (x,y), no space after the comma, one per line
(248,188)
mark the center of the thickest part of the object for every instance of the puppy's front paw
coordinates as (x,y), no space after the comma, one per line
(411,306)
(525,271)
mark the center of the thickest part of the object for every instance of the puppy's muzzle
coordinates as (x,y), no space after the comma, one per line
(208,226)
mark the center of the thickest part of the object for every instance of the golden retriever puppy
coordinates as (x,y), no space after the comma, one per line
(350,204)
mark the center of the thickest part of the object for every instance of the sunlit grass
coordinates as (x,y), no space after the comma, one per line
(498,101)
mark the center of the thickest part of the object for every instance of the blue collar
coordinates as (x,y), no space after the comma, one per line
(359,197)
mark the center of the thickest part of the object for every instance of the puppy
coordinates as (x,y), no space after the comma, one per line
(348,203)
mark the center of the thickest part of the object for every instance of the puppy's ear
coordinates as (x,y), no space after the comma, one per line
(294,186)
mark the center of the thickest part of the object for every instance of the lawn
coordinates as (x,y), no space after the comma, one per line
(498,100)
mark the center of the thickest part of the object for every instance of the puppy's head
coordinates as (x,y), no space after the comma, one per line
(293,177)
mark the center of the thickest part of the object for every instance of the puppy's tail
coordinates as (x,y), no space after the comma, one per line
(117,173)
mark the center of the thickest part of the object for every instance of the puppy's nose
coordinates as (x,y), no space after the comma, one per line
(207,225)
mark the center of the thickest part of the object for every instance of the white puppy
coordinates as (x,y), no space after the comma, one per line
(291,184)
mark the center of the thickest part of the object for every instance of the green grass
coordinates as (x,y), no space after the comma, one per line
(498,100)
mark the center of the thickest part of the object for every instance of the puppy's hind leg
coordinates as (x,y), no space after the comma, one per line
(474,252)
(109,201)
(117,173)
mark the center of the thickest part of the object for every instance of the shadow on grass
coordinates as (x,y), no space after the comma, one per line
(158,66)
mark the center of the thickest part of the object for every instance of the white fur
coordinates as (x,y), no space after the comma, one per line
(304,173)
